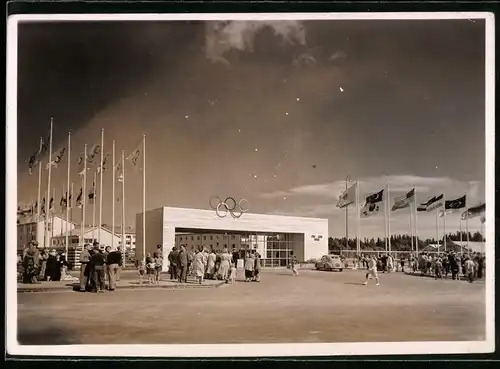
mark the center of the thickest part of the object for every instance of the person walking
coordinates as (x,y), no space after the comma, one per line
(31,262)
(173,257)
(84,267)
(225,264)
(372,271)
(113,263)
(211,264)
(293,265)
(183,264)
(249,267)
(43,264)
(98,261)
(199,265)
(236,256)
(257,267)
(469,269)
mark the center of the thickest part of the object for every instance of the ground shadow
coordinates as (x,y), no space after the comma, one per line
(45,336)
(355,283)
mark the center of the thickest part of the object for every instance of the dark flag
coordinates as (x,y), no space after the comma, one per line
(376,197)
(455,204)
(79,198)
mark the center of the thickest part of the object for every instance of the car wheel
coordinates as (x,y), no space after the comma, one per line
(341,269)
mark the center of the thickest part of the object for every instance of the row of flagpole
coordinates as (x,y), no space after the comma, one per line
(133,157)
(438,203)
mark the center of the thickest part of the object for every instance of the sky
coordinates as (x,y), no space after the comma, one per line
(278,112)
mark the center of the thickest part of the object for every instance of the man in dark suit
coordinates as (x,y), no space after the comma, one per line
(173,258)
(183,264)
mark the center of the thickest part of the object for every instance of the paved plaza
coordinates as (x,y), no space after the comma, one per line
(312,307)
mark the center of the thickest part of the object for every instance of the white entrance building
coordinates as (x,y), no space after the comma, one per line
(275,237)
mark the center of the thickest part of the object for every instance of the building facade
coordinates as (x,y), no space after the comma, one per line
(35,231)
(129,240)
(275,237)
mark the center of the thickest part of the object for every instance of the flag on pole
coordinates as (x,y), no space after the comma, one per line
(94,151)
(42,208)
(474,211)
(81,164)
(134,156)
(63,203)
(443,212)
(79,198)
(404,201)
(69,201)
(104,164)
(455,204)
(92,194)
(57,158)
(483,219)
(33,161)
(347,197)
(372,206)
(45,145)
(51,203)
(119,172)
(433,203)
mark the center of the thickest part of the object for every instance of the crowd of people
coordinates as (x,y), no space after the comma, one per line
(470,266)
(36,265)
(209,264)
(100,268)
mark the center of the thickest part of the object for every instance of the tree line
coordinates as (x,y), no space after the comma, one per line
(400,242)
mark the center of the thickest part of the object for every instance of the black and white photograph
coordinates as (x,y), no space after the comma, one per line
(202,185)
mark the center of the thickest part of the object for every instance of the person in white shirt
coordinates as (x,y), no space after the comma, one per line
(372,271)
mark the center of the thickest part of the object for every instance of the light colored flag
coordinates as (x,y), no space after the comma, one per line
(134,156)
(437,202)
(442,212)
(347,197)
(94,151)
(370,209)
(57,158)
(104,164)
(404,201)
(474,211)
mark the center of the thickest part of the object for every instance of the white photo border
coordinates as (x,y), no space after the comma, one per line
(247,350)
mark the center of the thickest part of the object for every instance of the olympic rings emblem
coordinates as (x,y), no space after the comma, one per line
(229,205)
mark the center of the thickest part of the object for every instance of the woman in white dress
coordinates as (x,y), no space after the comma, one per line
(199,265)
(225,263)
(211,264)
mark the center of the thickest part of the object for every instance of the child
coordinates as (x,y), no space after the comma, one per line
(142,271)
(158,264)
(232,273)
(150,267)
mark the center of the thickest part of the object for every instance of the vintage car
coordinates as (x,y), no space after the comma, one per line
(330,262)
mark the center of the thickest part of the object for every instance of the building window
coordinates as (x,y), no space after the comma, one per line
(234,245)
(180,238)
(204,237)
(198,238)
(225,245)
(192,238)
(233,237)
(211,238)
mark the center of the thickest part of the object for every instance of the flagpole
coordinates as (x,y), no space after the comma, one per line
(467,227)
(437,227)
(358,241)
(84,194)
(461,244)
(114,201)
(93,206)
(70,201)
(53,215)
(411,226)
(67,196)
(444,220)
(415,219)
(38,204)
(143,198)
(123,207)
(388,218)
(46,241)
(100,185)
(346,218)
(385,223)
(62,228)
